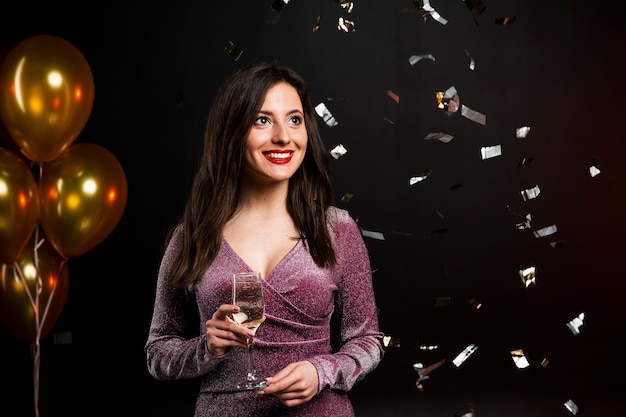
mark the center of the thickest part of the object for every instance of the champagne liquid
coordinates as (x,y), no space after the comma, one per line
(249,297)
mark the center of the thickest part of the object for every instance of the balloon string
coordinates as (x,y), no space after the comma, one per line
(36,346)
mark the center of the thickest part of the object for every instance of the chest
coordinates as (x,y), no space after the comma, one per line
(262,248)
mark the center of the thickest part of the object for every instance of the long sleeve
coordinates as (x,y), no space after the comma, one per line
(175,349)
(361,341)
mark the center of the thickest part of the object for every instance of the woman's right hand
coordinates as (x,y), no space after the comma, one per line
(222,333)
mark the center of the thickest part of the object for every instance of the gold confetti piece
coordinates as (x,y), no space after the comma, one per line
(545,362)
(323,112)
(346,197)
(317,24)
(414,59)
(487,152)
(474,302)
(464,355)
(522,132)
(338,151)
(530,193)
(519,359)
(391,122)
(232,50)
(545,231)
(528,276)
(576,324)
(415,180)
(475,5)
(572,407)
(593,170)
(442,137)
(525,161)
(393,96)
(473,115)
(348,5)
(448,101)
(505,20)
(373,235)
(346,25)
(391,341)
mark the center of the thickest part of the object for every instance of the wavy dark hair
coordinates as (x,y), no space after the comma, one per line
(215,191)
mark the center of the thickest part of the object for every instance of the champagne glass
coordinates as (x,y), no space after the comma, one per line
(248,295)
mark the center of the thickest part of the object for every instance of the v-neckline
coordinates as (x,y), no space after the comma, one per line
(243,261)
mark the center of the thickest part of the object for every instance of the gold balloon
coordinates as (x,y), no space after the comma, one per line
(83,195)
(17,313)
(19,205)
(46,95)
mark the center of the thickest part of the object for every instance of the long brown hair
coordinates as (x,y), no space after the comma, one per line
(215,191)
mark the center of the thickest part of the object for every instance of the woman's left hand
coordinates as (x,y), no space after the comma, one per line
(295,384)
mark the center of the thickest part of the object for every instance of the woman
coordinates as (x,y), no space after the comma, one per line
(261,201)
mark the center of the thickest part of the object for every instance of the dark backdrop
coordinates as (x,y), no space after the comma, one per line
(450,241)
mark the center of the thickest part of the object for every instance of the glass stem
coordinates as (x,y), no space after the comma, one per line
(251,370)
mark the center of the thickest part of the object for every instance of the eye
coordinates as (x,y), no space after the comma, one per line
(295,120)
(261,120)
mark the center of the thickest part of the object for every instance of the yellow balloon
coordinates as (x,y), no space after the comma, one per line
(17,314)
(83,195)
(46,95)
(19,205)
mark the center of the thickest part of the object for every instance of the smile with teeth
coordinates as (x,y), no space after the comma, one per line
(278,157)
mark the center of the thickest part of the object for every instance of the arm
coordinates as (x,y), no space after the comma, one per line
(175,349)
(361,341)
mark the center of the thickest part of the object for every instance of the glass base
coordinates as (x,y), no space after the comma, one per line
(252,385)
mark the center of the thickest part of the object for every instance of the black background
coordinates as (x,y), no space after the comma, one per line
(557,68)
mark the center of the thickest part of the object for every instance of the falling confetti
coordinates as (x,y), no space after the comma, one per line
(232,50)
(522,132)
(473,115)
(414,59)
(528,276)
(373,235)
(442,137)
(576,324)
(530,193)
(464,355)
(487,152)
(472,64)
(348,5)
(424,373)
(448,101)
(338,151)
(519,359)
(346,25)
(572,407)
(415,180)
(393,96)
(545,231)
(323,112)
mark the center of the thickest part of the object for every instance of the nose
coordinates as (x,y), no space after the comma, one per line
(280,134)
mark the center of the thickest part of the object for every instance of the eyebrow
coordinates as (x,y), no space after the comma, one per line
(289,113)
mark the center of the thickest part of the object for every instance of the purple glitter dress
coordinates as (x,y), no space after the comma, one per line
(300,298)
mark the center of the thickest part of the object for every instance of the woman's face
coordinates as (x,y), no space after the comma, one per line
(277,141)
